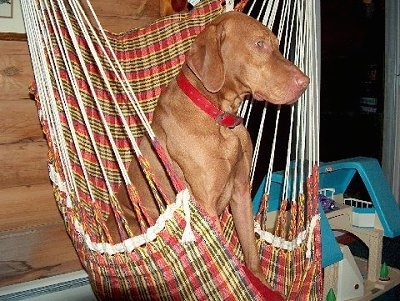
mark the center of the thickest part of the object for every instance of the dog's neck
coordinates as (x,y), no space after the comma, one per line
(201,101)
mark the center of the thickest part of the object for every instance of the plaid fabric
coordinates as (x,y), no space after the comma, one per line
(290,271)
(165,269)
(150,57)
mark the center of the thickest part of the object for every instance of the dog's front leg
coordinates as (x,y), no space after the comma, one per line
(242,214)
(244,223)
(241,207)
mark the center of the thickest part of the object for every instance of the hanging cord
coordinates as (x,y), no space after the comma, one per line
(178,183)
(81,106)
(39,46)
(310,128)
(140,212)
(121,76)
(39,40)
(292,22)
(134,101)
(74,83)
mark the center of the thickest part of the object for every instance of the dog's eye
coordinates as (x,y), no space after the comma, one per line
(260,44)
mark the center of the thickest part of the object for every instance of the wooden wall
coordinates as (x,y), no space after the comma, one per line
(33,242)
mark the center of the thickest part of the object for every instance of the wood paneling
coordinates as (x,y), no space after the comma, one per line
(23,164)
(15,71)
(127,15)
(19,121)
(25,207)
(36,253)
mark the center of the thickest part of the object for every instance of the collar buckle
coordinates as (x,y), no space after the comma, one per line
(228,120)
(222,118)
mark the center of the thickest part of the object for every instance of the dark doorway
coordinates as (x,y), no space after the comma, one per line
(352,67)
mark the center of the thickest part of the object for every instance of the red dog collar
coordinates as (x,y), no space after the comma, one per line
(223,118)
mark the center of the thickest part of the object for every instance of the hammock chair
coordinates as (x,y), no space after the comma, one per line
(96,92)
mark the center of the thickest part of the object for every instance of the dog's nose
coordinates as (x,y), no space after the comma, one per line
(302,81)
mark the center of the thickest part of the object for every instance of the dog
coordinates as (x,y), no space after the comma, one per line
(196,122)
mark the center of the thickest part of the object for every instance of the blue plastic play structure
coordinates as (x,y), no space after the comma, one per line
(338,175)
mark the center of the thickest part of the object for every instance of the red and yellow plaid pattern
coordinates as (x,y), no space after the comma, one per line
(210,268)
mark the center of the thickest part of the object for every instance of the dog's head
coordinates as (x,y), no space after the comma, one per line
(236,52)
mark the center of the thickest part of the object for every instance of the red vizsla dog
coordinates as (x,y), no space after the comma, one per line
(195,120)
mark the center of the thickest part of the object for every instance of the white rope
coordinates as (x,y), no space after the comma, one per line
(229,5)
(295,15)
(304,115)
(193,2)
(306,235)
(296,186)
(50,108)
(286,26)
(188,234)
(120,74)
(61,140)
(257,145)
(286,178)
(315,73)
(271,160)
(313,224)
(128,245)
(297,21)
(78,14)
(44,86)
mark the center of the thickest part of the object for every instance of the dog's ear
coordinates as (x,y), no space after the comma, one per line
(204,59)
